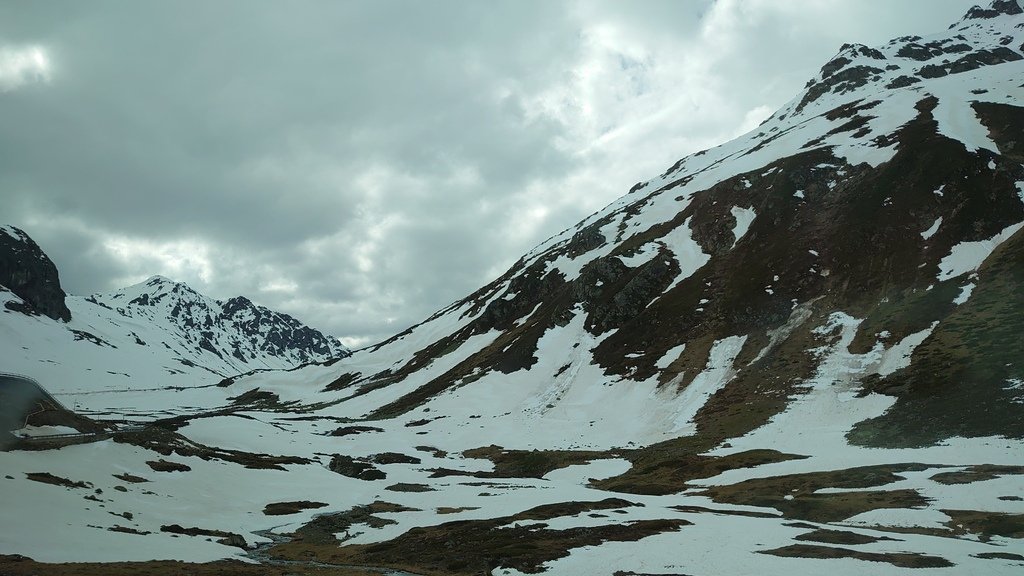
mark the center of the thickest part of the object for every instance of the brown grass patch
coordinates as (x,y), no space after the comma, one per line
(794,495)
(900,559)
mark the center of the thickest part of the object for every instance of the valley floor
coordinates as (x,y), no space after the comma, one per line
(246,486)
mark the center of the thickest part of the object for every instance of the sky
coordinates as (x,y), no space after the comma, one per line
(360,165)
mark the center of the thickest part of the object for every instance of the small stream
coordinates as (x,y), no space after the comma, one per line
(261,554)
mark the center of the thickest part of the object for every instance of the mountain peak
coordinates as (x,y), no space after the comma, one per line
(858,71)
(996,8)
(157,280)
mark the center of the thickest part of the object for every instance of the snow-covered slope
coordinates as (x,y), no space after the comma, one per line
(798,352)
(889,193)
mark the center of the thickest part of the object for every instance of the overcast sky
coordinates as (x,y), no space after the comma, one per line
(362,164)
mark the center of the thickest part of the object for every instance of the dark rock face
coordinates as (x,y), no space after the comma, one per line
(903,82)
(972,61)
(27,272)
(839,82)
(998,8)
(349,466)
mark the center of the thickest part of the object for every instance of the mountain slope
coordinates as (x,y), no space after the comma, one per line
(798,352)
(878,193)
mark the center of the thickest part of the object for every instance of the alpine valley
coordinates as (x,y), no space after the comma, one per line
(800,352)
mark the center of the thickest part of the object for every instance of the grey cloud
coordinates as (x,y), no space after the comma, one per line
(384,158)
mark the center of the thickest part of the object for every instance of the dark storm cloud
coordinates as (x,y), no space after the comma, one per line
(361,164)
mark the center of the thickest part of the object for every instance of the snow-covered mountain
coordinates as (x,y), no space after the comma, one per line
(154,334)
(240,334)
(798,352)
(868,231)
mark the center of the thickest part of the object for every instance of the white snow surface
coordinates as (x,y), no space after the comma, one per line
(932,229)
(969,256)
(744,218)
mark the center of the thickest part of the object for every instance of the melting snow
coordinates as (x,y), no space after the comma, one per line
(965,294)
(688,252)
(717,372)
(645,254)
(958,121)
(968,256)
(933,229)
(744,217)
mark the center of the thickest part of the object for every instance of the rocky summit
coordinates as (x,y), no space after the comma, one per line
(801,351)
(30,275)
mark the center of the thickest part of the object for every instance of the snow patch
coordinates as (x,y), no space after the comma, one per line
(965,294)
(645,254)
(968,256)
(717,372)
(744,217)
(959,122)
(687,251)
(670,356)
(933,229)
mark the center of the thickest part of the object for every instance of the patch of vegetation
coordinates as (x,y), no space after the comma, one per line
(408,487)
(14,565)
(977,474)
(558,510)
(351,430)
(225,538)
(956,384)
(126,530)
(522,463)
(840,537)
(668,467)
(342,382)
(435,452)
(472,547)
(393,458)
(450,510)
(985,524)
(166,442)
(285,508)
(162,465)
(795,495)
(902,314)
(999,556)
(355,468)
(47,478)
(130,478)
(320,531)
(899,559)
(257,399)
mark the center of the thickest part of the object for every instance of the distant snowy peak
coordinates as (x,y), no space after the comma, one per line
(984,37)
(237,331)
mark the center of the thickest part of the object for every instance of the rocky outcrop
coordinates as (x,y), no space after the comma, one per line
(998,8)
(27,272)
